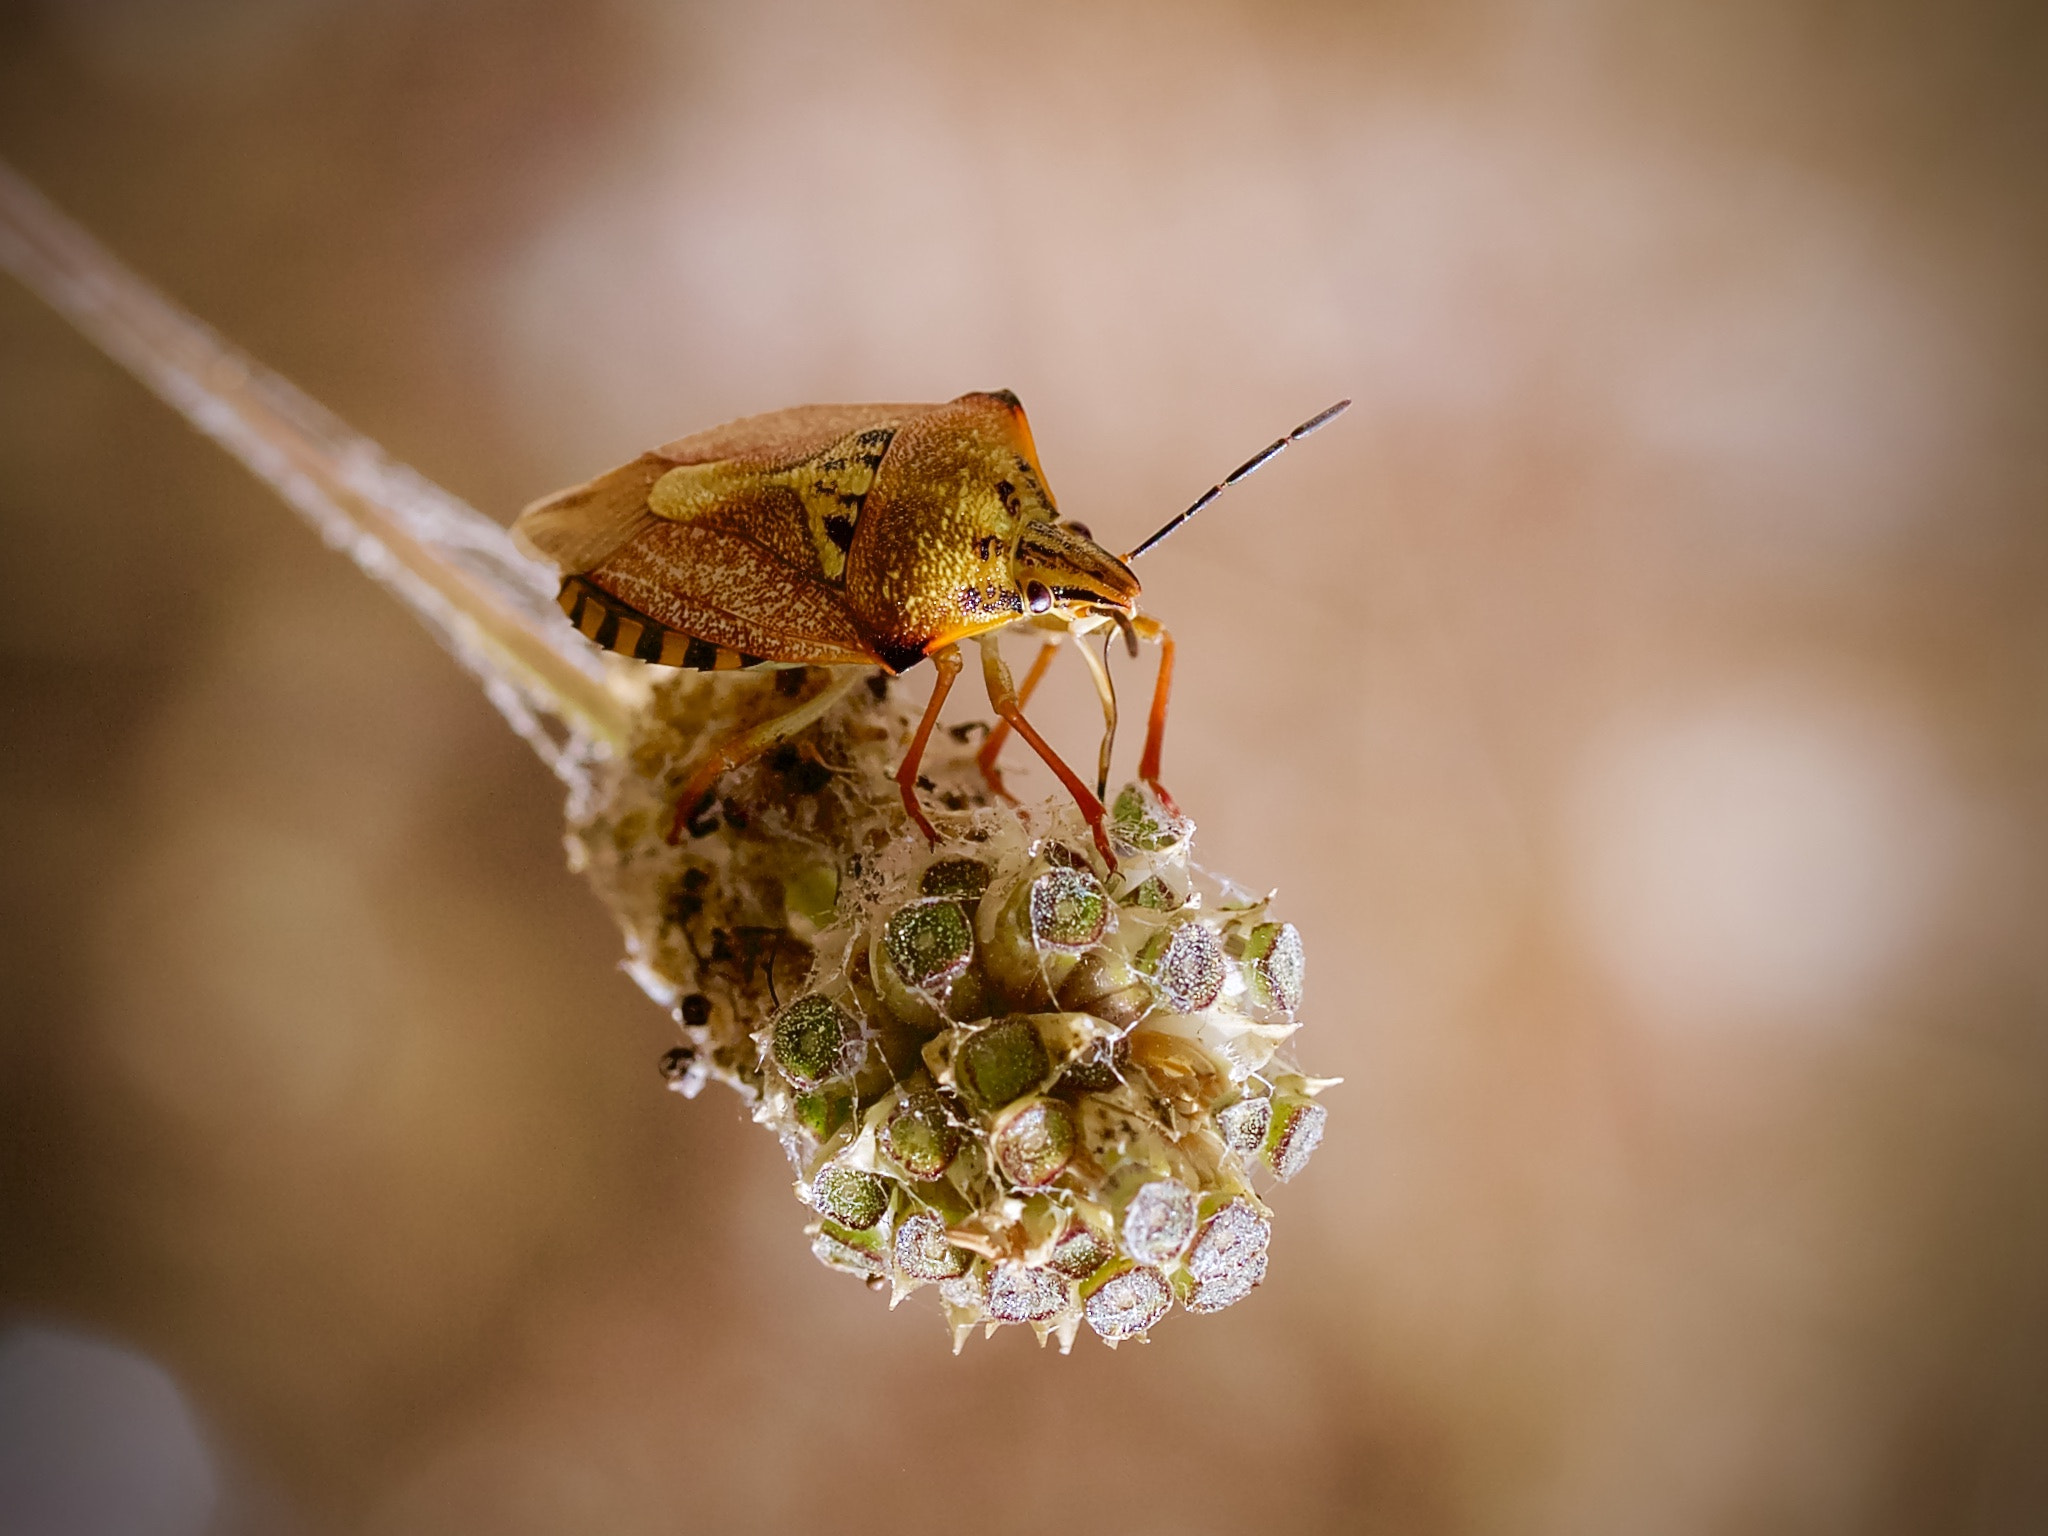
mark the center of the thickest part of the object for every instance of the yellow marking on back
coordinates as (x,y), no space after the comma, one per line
(834,487)
(830,488)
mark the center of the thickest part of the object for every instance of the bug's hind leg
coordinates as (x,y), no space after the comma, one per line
(1002,697)
(748,745)
(1155,727)
(947,661)
(998,734)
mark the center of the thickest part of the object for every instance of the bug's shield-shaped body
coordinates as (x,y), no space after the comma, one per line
(822,535)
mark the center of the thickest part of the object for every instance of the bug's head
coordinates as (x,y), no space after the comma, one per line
(1058,567)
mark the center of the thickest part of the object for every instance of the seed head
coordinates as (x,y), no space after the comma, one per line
(1228,1259)
(1296,1132)
(1128,1302)
(923,1252)
(1186,964)
(929,942)
(813,1039)
(1006,1072)
(1019,1293)
(1069,909)
(1033,1140)
(1001,1062)
(850,1197)
(1243,1125)
(1273,960)
(918,1135)
(962,879)
(1080,1253)
(1159,1223)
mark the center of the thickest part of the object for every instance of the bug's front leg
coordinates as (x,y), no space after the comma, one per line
(985,759)
(1002,697)
(1155,729)
(948,662)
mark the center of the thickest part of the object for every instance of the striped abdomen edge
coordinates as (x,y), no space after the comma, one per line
(616,627)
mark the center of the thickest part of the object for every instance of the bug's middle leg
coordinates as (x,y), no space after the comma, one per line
(1002,697)
(948,662)
(999,733)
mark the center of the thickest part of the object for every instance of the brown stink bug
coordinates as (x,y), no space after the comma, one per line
(854,537)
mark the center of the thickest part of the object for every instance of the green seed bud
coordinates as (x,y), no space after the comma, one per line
(1296,1132)
(1033,1141)
(1069,909)
(923,1253)
(862,1253)
(1126,1301)
(973,997)
(812,893)
(963,879)
(894,1051)
(823,1112)
(1144,826)
(928,942)
(1228,1259)
(1005,1061)
(814,1039)
(1273,962)
(1098,1071)
(1186,964)
(1033,928)
(1080,1253)
(1243,1125)
(850,1196)
(1159,1222)
(919,1136)
(1154,895)
(1103,983)
(1019,1293)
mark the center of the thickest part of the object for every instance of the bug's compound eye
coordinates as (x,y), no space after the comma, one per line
(1081,528)
(1037,597)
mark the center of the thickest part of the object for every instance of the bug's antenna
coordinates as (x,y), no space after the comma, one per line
(1237,474)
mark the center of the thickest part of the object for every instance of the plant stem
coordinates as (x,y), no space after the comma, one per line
(457,570)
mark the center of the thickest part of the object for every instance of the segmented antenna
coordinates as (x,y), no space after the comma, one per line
(1242,470)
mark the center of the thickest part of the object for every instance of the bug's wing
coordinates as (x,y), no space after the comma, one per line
(576,529)
(715,585)
(736,537)
(782,439)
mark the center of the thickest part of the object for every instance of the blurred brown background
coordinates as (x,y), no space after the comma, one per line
(1638,701)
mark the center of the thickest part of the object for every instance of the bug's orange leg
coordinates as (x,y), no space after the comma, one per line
(1155,729)
(748,745)
(985,759)
(1002,697)
(947,660)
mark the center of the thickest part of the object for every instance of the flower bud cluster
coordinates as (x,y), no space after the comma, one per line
(1046,1089)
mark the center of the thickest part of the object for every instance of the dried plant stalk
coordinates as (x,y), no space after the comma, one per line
(453,567)
(1048,1087)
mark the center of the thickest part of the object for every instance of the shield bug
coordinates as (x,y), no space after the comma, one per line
(855,537)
